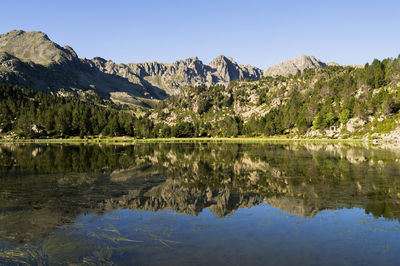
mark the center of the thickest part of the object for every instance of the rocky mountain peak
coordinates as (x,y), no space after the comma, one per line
(36,47)
(227,69)
(294,66)
(221,60)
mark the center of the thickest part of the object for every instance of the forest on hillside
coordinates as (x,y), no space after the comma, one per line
(316,99)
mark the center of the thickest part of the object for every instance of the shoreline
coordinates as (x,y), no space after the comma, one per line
(129,140)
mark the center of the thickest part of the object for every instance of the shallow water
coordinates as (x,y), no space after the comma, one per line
(201,204)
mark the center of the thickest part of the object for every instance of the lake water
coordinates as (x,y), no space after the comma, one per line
(199,204)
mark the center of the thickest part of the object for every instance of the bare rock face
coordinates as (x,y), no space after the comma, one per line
(294,66)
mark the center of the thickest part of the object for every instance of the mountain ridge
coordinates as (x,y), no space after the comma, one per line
(31,59)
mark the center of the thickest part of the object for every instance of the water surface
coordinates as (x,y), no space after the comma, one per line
(202,204)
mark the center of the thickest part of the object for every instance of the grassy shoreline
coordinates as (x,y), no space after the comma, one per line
(183,140)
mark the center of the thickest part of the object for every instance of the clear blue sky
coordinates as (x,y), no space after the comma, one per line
(260,33)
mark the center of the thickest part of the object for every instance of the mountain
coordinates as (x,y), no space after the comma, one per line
(295,65)
(32,60)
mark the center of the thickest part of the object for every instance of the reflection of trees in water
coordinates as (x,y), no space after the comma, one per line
(45,186)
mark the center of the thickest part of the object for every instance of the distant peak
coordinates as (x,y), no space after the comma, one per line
(223,57)
(305,58)
(222,60)
(294,65)
(220,57)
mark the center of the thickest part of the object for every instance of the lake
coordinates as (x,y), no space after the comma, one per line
(199,204)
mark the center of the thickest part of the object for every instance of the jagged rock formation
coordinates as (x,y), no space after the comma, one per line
(190,71)
(295,65)
(32,60)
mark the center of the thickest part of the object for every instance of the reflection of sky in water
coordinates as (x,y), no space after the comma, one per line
(258,235)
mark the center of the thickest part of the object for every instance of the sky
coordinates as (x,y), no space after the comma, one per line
(255,32)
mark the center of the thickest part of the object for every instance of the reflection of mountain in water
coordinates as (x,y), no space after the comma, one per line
(43,187)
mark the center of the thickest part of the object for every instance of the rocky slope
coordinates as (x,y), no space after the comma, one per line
(295,65)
